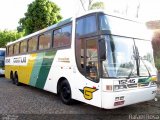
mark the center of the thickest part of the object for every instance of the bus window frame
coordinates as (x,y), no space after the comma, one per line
(64,46)
(90,34)
(21,53)
(33,51)
(18,43)
(51,41)
(9,50)
(88,37)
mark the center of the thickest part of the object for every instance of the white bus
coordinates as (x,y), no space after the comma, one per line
(2,61)
(97,58)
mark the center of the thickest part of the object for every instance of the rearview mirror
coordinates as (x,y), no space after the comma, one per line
(102,49)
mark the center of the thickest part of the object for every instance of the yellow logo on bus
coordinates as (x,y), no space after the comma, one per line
(88,92)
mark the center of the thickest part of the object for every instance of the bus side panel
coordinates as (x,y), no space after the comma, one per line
(8,69)
(61,67)
(24,72)
(36,69)
(23,65)
(45,68)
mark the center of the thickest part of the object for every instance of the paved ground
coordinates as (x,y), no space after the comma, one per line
(28,102)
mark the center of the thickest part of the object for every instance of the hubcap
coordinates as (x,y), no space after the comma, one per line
(65,92)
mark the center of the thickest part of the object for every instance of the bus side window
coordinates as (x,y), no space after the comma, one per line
(10,50)
(62,36)
(23,47)
(16,48)
(57,38)
(91,59)
(45,40)
(32,44)
(86,25)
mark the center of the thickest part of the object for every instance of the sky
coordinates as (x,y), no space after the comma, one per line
(12,10)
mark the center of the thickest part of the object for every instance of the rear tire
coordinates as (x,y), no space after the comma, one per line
(12,78)
(16,80)
(65,92)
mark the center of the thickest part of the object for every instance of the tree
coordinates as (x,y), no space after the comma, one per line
(40,14)
(8,36)
(97,5)
(91,5)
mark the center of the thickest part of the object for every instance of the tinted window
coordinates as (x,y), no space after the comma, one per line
(32,44)
(23,47)
(62,37)
(10,50)
(57,38)
(86,25)
(2,53)
(45,40)
(16,48)
(92,59)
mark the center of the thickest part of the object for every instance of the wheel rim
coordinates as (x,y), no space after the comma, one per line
(16,80)
(66,93)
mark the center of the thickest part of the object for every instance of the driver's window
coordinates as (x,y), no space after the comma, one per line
(91,59)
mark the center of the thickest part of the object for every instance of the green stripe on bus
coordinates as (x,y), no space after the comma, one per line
(36,69)
(45,68)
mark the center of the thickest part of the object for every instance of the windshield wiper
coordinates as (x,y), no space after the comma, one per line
(135,56)
(131,72)
(145,66)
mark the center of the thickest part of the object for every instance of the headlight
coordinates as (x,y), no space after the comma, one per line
(153,83)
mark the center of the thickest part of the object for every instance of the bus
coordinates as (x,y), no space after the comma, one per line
(2,61)
(96,58)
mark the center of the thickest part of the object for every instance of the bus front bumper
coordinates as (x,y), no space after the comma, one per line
(111,100)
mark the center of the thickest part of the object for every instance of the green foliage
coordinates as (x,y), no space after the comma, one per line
(91,4)
(8,36)
(97,5)
(40,14)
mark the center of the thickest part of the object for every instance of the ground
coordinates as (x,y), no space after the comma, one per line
(22,102)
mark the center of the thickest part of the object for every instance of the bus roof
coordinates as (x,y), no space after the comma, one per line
(43,30)
(3,49)
(63,22)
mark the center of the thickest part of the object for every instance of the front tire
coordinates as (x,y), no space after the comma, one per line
(65,92)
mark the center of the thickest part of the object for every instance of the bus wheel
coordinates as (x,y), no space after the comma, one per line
(16,79)
(12,78)
(65,92)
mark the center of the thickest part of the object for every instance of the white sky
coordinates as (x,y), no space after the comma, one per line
(12,10)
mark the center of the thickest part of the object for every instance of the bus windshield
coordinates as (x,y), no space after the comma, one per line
(126,56)
(121,26)
(119,61)
(123,60)
(146,59)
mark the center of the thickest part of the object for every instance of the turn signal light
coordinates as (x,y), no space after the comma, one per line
(109,87)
